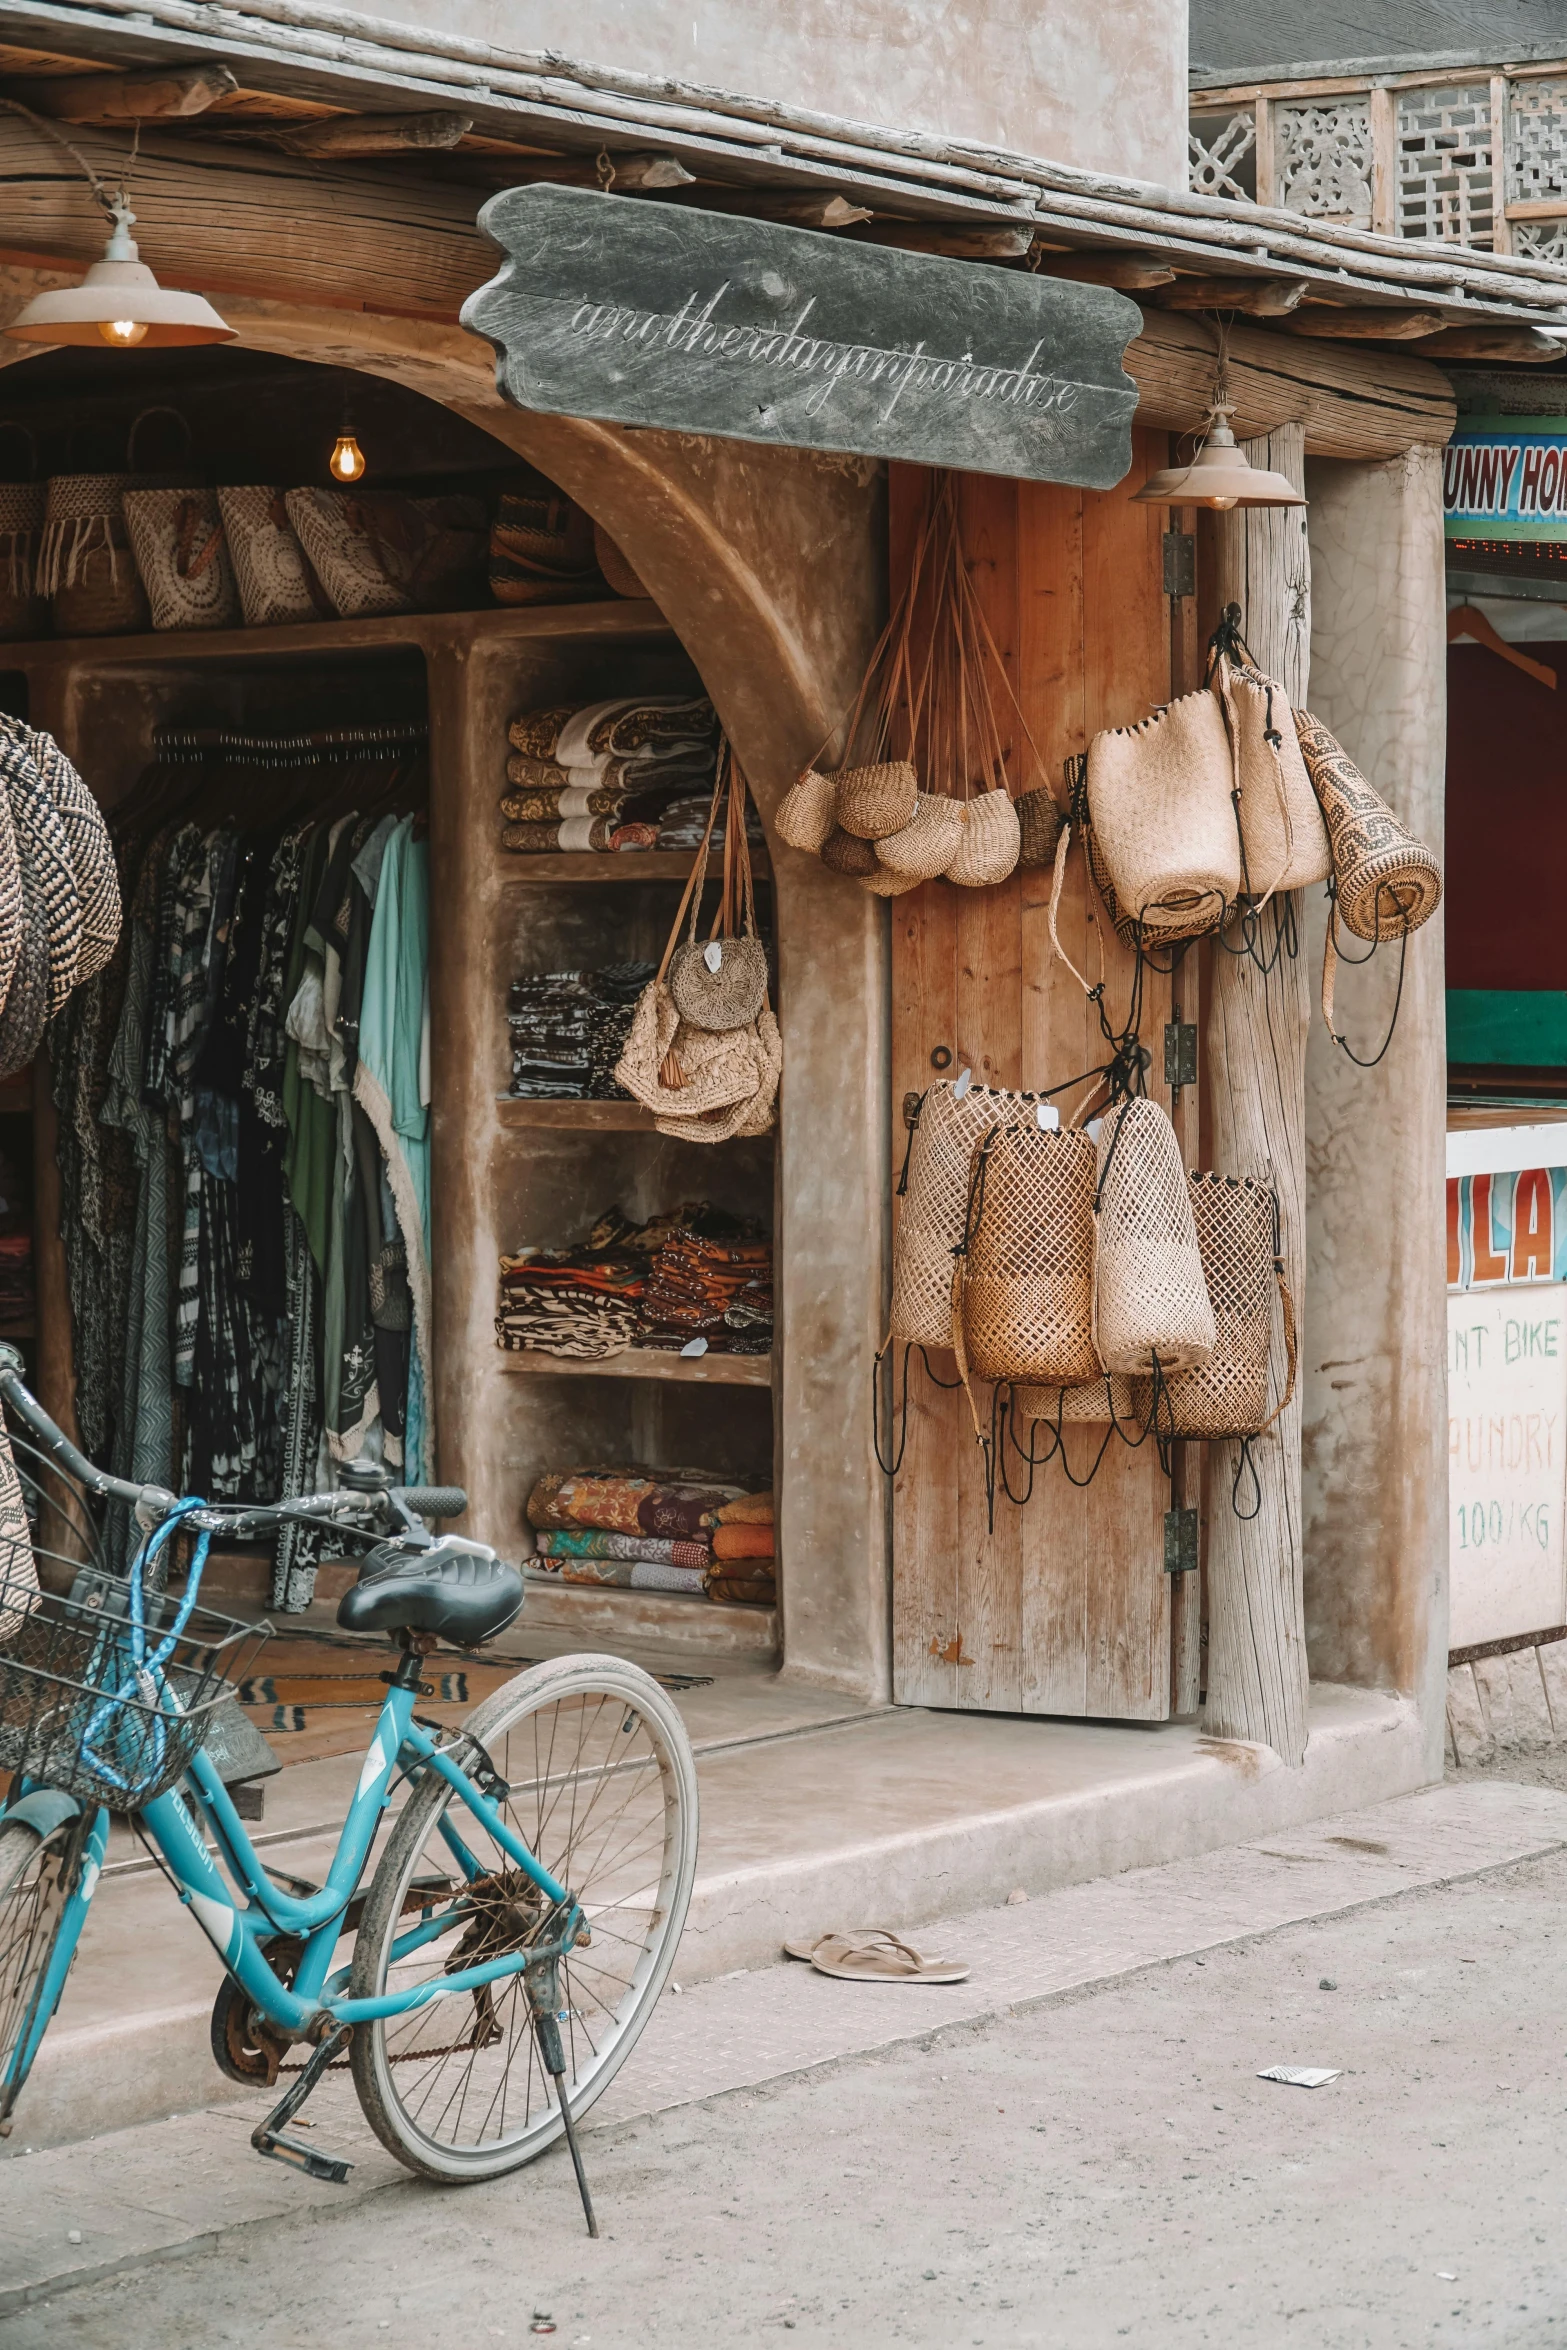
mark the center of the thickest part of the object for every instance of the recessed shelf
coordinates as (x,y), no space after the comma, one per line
(554,866)
(683,1370)
(574,1117)
(628,617)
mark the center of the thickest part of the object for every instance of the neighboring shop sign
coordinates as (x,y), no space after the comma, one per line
(1506,478)
(649,313)
(1506,1402)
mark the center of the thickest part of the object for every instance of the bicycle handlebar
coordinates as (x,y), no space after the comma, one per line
(243,1521)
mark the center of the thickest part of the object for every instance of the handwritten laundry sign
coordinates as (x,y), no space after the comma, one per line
(1506,1459)
(647,313)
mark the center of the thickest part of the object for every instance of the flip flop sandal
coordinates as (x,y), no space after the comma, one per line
(875,1956)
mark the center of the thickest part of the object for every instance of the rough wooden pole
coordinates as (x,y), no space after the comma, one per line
(1256,1048)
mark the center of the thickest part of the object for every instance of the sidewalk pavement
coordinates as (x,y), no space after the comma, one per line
(189,2183)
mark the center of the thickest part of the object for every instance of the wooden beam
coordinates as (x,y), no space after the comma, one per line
(809,208)
(373,134)
(995,243)
(1257,297)
(170,96)
(629,172)
(1353,403)
(1384,164)
(1493,342)
(1371,325)
(1127,272)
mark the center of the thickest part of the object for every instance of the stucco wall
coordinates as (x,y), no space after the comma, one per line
(1104,87)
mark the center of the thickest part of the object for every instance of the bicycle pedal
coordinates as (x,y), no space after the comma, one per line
(330,2167)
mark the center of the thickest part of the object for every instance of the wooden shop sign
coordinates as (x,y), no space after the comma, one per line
(645,313)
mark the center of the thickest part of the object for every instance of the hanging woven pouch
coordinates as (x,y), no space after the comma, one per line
(1151,1309)
(1164,827)
(1023,1289)
(990,842)
(1039,822)
(1237,1236)
(1385,882)
(945,1128)
(846,853)
(1282,832)
(927,844)
(1097,1402)
(721,983)
(806,812)
(876,800)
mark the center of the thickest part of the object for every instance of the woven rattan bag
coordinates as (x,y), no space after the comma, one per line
(1151,1302)
(722,984)
(927,844)
(1385,882)
(346,554)
(87,569)
(945,1128)
(178,540)
(1282,833)
(878,799)
(806,812)
(276,584)
(1024,1285)
(1236,1222)
(1159,800)
(989,844)
(1098,1402)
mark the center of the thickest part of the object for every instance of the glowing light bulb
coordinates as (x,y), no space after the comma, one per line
(122,334)
(1220,505)
(347,461)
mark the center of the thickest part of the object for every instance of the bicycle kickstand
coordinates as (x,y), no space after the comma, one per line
(265,2136)
(542,1982)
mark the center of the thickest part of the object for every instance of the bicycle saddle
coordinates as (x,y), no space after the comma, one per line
(457,1589)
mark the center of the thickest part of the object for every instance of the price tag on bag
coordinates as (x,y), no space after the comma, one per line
(1048,1117)
(713,955)
(965,1080)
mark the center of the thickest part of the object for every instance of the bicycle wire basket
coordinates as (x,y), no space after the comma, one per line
(74,1713)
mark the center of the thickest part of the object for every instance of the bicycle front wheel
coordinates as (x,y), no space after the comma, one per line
(37,1876)
(603,1792)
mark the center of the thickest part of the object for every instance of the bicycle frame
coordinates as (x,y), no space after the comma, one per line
(239,1930)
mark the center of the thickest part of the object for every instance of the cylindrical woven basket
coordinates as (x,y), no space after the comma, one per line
(24,609)
(846,852)
(1150,1299)
(877,800)
(945,1131)
(1163,818)
(988,849)
(806,812)
(1039,823)
(88,571)
(1387,883)
(1228,1394)
(1097,1402)
(927,844)
(1026,1284)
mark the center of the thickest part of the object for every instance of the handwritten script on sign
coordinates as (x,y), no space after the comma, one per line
(647,313)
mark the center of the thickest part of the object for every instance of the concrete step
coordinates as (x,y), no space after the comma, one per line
(163,2189)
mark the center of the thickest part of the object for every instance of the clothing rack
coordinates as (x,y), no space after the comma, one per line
(206,742)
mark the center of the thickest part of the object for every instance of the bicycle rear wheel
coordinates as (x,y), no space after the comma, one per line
(37,1876)
(603,1793)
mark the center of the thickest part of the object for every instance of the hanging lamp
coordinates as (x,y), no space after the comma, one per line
(119,303)
(1220,475)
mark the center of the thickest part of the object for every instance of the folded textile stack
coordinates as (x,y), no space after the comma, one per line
(685,820)
(569,1028)
(637,1529)
(712,1280)
(16,1278)
(600,779)
(541,551)
(744,1569)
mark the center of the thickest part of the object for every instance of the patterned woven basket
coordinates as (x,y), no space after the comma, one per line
(988,848)
(178,540)
(1228,1394)
(927,844)
(1387,883)
(806,812)
(276,584)
(1039,823)
(345,553)
(1023,1292)
(1150,1299)
(24,608)
(943,1134)
(41,841)
(87,568)
(877,800)
(87,838)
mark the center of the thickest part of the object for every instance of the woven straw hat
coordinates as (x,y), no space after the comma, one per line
(991,840)
(1387,882)
(927,844)
(806,812)
(42,840)
(13,906)
(92,851)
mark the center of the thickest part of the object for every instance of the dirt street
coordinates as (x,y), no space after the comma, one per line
(1104,2169)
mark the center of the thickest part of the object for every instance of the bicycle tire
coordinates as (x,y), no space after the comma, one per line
(37,1873)
(453,2126)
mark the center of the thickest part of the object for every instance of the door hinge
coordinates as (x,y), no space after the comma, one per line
(1180,563)
(1180,1053)
(1180,1542)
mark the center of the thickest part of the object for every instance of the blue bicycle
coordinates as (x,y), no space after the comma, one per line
(522,1920)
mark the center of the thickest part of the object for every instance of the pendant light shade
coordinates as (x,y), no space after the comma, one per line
(120,304)
(1220,475)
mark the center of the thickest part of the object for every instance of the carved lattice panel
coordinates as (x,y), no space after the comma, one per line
(1322,159)
(1221,155)
(1543,240)
(1537,148)
(1444,164)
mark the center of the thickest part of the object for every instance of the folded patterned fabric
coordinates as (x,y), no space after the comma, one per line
(752,1509)
(742,1542)
(578,835)
(617,1573)
(580,1325)
(742,1591)
(646,727)
(532,806)
(648,1575)
(568,1030)
(582,1543)
(626,1502)
(711,1285)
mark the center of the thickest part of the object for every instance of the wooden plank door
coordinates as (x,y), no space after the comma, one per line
(1063,1607)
